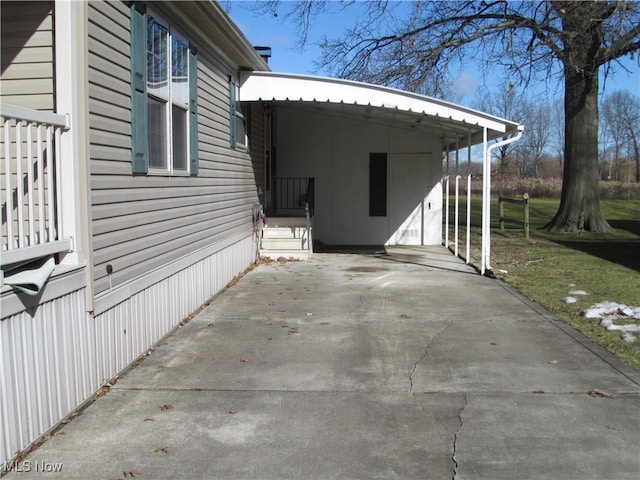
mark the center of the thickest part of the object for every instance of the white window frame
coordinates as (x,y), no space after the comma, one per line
(241,141)
(169,103)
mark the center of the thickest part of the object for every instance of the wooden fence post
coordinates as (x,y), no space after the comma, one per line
(525,199)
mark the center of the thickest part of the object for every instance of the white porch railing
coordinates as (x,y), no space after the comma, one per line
(456,240)
(30,178)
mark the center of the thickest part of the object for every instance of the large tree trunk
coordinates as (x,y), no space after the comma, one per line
(580,199)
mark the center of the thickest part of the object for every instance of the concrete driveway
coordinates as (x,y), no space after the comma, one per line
(401,365)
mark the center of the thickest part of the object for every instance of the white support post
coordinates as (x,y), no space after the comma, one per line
(457,208)
(486,236)
(72,75)
(468,254)
(446,215)
(485,199)
(72,99)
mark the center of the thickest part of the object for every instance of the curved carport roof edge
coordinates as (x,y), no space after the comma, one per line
(274,86)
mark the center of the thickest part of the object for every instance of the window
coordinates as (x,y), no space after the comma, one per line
(164,97)
(377,184)
(237,121)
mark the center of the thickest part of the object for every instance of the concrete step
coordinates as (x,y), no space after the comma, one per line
(286,222)
(282,243)
(283,232)
(285,254)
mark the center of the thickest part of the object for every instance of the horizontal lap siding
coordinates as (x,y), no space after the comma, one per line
(140,223)
(27,55)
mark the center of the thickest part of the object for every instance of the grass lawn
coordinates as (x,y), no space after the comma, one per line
(548,266)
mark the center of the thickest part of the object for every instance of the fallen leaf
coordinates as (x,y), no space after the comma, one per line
(161,450)
(244,360)
(600,393)
(165,407)
(232,412)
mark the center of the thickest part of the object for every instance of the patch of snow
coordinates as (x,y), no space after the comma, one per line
(569,299)
(609,312)
(578,292)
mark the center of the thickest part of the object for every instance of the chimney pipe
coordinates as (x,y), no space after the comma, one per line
(264,52)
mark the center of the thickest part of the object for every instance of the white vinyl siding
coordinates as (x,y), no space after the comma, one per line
(27,55)
(141,223)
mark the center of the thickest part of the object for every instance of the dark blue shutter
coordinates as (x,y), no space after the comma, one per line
(139,107)
(193,110)
(232,112)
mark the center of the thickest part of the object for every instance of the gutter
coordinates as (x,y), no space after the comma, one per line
(485,268)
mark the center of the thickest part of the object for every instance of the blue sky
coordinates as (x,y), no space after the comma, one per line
(267,30)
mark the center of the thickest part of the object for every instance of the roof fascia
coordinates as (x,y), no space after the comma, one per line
(269,86)
(215,27)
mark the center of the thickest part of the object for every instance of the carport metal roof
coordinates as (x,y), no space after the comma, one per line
(458,126)
(375,104)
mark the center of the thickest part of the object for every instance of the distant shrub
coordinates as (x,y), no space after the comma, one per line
(619,191)
(552,187)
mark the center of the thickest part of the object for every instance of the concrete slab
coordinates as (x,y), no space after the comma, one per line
(402,363)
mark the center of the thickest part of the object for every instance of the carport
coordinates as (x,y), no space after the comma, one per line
(375,155)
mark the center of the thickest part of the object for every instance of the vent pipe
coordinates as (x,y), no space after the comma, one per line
(264,52)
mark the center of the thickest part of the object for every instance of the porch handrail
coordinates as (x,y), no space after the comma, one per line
(31,192)
(307,211)
(291,194)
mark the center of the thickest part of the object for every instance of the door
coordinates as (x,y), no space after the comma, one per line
(411,207)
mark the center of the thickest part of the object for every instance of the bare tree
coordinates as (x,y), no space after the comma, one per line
(528,38)
(556,126)
(621,114)
(507,102)
(535,141)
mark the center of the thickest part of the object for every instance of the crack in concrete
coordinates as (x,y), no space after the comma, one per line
(455,437)
(426,352)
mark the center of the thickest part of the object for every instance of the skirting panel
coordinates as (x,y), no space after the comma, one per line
(56,356)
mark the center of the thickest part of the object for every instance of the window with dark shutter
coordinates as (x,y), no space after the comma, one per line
(164,114)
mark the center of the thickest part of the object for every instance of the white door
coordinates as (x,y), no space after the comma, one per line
(411,201)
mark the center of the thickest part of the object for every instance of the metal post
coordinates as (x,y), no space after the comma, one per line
(468,255)
(446,195)
(456,215)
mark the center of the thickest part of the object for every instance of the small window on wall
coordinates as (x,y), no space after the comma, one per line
(377,184)
(237,121)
